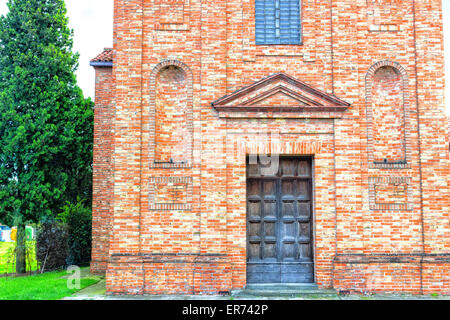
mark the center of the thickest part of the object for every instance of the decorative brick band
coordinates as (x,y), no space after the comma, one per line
(170,193)
(170,165)
(173,258)
(390,193)
(370,123)
(189,116)
(392,258)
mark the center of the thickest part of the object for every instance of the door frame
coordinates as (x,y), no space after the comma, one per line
(313,211)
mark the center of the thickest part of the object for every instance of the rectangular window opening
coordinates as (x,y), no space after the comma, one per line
(278,22)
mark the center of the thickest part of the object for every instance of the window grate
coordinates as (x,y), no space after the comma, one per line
(278,21)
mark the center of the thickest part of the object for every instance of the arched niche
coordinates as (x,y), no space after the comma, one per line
(171,113)
(387,116)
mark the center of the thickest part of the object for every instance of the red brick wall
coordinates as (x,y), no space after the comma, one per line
(102,205)
(379,226)
(448,130)
(434,155)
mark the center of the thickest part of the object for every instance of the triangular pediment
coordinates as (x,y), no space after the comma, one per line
(279,95)
(280,92)
(278,98)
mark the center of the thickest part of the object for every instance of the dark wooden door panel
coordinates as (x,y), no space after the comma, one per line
(297,273)
(279,223)
(264,273)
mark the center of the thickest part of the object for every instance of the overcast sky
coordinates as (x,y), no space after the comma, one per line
(92,21)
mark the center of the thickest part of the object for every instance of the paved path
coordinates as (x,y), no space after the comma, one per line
(98,292)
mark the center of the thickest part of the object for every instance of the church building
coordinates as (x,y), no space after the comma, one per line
(243,143)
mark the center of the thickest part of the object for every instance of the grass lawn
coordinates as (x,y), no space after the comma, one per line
(7,265)
(47,286)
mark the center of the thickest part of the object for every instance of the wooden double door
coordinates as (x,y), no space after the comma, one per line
(280,220)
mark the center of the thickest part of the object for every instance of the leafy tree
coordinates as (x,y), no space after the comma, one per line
(46,125)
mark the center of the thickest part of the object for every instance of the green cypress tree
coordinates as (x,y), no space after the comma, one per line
(46,124)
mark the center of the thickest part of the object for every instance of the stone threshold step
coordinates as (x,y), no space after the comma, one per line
(284,293)
(282,286)
(277,289)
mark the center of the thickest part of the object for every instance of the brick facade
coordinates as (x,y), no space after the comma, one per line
(190,96)
(103,161)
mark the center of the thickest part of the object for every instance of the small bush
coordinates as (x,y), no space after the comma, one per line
(78,219)
(51,246)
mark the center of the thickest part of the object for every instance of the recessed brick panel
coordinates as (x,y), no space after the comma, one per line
(384,15)
(172,14)
(390,193)
(171,133)
(170,193)
(172,11)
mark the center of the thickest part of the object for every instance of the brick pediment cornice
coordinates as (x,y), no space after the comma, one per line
(281,94)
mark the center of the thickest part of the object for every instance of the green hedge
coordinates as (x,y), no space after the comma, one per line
(51,246)
(78,219)
(66,240)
